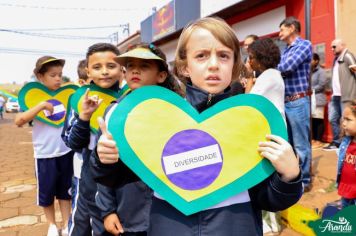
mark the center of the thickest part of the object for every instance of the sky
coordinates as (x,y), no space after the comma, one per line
(65,29)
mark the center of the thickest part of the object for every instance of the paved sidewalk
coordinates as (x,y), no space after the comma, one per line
(323,191)
(19,215)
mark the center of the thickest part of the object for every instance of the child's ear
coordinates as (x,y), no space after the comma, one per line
(184,71)
(39,77)
(87,71)
(123,70)
(81,82)
(162,76)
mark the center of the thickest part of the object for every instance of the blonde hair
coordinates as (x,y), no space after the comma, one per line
(221,31)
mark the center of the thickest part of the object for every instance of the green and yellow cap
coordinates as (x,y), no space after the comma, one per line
(141,53)
(44,60)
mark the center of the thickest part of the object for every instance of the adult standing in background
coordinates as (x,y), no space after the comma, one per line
(264,57)
(239,86)
(249,40)
(318,84)
(343,87)
(295,70)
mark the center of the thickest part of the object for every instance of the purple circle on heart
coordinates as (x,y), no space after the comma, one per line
(192,159)
(61,111)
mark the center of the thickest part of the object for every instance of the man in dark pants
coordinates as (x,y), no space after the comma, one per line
(343,86)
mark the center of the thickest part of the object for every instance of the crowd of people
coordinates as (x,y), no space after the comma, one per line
(108,198)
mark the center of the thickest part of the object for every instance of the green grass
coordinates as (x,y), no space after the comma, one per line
(331,187)
(11,88)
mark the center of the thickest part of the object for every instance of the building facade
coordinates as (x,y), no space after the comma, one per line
(329,19)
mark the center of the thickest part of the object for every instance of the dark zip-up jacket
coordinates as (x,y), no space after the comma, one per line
(272,194)
(77,136)
(130,201)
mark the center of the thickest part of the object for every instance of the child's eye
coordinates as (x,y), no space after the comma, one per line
(112,66)
(225,56)
(54,75)
(201,55)
(145,65)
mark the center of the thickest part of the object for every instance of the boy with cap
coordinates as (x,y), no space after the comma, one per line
(106,73)
(54,161)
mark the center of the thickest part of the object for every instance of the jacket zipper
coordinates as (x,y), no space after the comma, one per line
(210,97)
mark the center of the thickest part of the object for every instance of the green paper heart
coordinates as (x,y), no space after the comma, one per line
(152,126)
(33,93)
(107,95)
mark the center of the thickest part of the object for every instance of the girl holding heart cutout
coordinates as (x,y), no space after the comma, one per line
(125,209)
(207,60)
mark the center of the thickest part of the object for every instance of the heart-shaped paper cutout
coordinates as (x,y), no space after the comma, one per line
(107,95)
(194,160)
(33,93)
